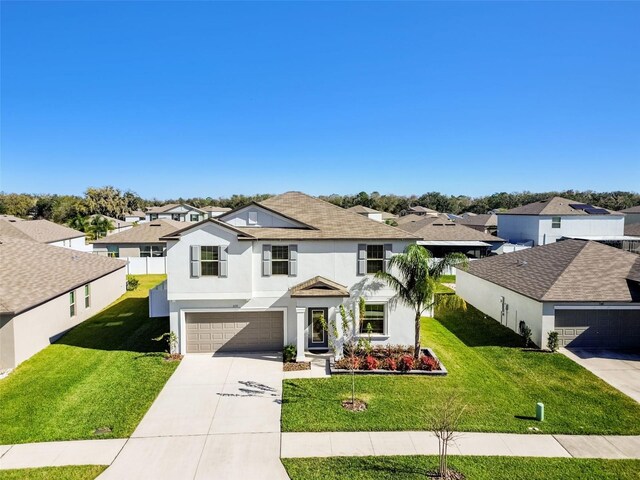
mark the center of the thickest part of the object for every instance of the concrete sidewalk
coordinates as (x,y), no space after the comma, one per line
(339,444)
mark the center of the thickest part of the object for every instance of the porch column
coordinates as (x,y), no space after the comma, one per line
(300,326)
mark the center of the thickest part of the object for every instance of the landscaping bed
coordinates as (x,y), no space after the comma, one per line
(389,360)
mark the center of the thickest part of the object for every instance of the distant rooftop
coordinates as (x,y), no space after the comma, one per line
(42,231)
(559,206)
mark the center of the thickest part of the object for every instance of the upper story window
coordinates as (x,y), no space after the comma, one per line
(375,258)
(175,216)
(113,251)
(153,216)
(374,319)
(253,218)
(280,260)
(151,251)
(87,296)
(556,222)
(72,304)
(194,217)
(209,261)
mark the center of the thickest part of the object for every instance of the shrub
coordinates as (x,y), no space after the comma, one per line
(406,363)
(525,332)
(370,363)
(552,341)
(132,283)
(391,364)
(289,353)
(428,363)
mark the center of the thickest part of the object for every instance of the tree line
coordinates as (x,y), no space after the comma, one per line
(113,202)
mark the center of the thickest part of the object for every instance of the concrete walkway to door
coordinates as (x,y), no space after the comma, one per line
(218,417)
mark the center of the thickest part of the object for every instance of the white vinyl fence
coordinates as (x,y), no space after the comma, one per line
(146,265)
(158,303)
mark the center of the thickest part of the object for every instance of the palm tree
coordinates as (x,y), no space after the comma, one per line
(418,281)
(79,223)
(99,226)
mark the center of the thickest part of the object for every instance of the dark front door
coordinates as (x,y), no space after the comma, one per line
(318,336)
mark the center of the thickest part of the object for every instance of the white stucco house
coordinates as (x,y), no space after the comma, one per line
(550,220)
(265,275)
(46,290)
(178,212)
(44,231)
(586,291)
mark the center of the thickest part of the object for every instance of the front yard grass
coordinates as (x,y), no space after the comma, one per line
(474,468)
(492,374)
(80,472)
(105,372)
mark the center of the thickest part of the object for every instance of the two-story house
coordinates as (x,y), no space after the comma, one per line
(178,212)
(273,272)
(556,218)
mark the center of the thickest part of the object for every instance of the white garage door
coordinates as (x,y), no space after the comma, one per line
(213,332)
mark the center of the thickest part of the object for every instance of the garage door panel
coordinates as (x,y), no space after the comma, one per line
(234,331)
(598,328)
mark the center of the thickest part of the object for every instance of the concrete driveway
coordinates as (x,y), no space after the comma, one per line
(619,369)
(216,418)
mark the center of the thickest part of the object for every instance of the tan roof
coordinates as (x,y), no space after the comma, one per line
(330,221)
(135,213)
(148,232)
(439,228)
(362,209)
(485,219)
(33,273)
(11,218)
(421,209)
(565,271)
(42,231)
(632,230)
(551,206)
(319,287)
(212,208)
(635,209)
(410,218)
(169,206)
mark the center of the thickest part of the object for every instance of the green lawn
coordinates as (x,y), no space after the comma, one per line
(106,372)
(474,468)
(81,472)
(498,381)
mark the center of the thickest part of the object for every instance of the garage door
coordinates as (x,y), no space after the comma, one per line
(234,332)
(618,329)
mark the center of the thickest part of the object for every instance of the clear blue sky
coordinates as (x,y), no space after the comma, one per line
(210,99)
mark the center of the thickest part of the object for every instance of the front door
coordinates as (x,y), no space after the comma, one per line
(318,337)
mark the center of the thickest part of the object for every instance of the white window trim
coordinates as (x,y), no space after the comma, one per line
(86,290)
(553,221)
(280,260)
(217,261)
(385,329)
(366,258)
(73,304)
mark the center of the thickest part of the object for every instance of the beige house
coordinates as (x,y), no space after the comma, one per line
(43,231)
(46,290)
(142,240)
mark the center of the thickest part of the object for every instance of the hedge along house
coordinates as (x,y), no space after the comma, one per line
(46,290)
(264,275)
(586,291)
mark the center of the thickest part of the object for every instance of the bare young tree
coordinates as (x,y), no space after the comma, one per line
(444,424)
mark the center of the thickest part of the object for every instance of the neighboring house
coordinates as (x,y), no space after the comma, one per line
(118,225)
(136,216)
(487,223)
(372,214)
(45,291)
(178,212)
(272,272)
(441,236)
(44,231)
(420,210)
(143,240)
(551,220)
(212,211)
(632,230)
(631,215)
(586,291)
(412,217)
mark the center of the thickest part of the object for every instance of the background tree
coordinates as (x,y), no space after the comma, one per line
(107,200)
(99,226)
(418,281)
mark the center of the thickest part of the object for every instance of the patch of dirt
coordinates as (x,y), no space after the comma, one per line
(173,357)
(356,406)
(296,366)
(102,431)
(451,475)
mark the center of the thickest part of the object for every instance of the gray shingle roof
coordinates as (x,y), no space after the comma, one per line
(635,209)
(42,231)
(484,220)
(565,271)
(212,208)
(148,232)
(33,273)
(632,230)
(551,206)
(439,228)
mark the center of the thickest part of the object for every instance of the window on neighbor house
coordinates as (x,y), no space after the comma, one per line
(87,296)
(556,222)
(113,251)
(280,260)
(209,260)
(194,217)
(72,304)
(373,316)
(175,216)
(153,216)
(151,251)
(375,258)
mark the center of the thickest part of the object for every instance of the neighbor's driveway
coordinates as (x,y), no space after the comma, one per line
(216,418)
(619,369)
